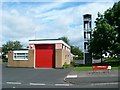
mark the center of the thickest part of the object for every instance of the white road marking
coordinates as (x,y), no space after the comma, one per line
(71,76)
(13,87)
(103,83)
(13,82)
(42,84)
(63,84)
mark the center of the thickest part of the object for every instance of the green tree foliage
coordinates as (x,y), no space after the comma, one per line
(65,39)
(101,38)
(106,35)
(74,49)
(112,16)
(11,45)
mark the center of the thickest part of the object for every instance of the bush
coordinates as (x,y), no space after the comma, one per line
(5,60)
(96,56)
(66,65)
(110,61)
(72,63)
(78,58)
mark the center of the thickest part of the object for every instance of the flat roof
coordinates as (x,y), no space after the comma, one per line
(48,41)
(19,50)
(43,39)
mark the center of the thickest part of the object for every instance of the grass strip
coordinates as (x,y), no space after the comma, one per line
(89,68)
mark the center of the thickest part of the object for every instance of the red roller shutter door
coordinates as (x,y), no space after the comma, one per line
(45,55)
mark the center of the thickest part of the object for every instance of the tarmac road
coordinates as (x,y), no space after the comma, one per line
(100,78)
(83,80)
(46,78)
(30,77)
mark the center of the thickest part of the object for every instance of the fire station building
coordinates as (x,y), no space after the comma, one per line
(43,53)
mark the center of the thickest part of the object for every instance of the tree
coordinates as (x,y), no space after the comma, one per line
(106,35)
(11,45)
(101,38)
(112,16)
(74,49)
(65,39)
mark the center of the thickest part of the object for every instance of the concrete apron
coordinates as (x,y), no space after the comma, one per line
(92,77)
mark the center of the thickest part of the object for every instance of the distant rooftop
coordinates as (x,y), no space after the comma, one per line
(20,49)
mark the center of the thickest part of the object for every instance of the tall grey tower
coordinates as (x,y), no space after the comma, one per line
(87,36)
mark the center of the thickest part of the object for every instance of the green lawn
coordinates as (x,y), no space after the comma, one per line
(114,63)
(85,68)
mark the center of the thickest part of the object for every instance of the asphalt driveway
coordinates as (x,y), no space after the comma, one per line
(44,78)
(30,76)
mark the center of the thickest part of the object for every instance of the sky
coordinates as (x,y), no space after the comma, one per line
(26,20)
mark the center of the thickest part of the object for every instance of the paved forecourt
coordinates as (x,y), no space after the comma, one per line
(24,77)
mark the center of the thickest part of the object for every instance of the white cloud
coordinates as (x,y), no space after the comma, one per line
(0,24)
(63,18)
(45,7)
(60,0)
(93,8)
(17,26)
(40,22)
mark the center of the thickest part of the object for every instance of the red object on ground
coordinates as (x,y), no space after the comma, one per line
(99,67)
(45,56)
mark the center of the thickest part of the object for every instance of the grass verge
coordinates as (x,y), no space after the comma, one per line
(83,68)
(87,68)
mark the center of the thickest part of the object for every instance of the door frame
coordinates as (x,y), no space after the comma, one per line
(53,60)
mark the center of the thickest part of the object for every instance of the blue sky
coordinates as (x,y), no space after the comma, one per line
(23,21)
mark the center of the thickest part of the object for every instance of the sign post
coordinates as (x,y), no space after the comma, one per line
(101,68)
